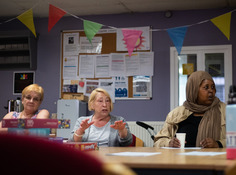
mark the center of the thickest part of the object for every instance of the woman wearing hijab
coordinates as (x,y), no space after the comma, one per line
(201,117)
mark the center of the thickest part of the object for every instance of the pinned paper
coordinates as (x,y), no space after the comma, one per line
(188,68)
(223,23)
(177,36)
(27,19)
(91,28)
(55,14)
(131,37)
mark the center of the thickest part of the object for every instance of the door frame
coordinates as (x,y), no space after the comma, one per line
(199,51)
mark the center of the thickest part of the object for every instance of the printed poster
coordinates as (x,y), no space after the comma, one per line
(71,44)
(143,42)
(121,87)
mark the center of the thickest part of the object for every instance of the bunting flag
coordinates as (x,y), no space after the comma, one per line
(90,29)
(131,37)
(27,19)
(223,23)
(177,36)
(55,14)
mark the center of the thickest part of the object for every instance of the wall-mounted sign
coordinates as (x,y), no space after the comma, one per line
(21,80)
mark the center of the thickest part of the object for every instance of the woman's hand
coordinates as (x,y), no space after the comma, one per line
(83,126)
(174,142)
(209,143)
(120,126)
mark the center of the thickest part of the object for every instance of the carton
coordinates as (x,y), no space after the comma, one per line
(82,146)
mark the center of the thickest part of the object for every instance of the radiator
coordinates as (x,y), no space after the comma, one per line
(142,133)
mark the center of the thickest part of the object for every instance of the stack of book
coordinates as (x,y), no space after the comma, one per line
(39,127)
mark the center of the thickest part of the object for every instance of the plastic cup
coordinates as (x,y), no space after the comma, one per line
(181,137)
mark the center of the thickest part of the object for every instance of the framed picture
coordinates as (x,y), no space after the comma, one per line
(21,80)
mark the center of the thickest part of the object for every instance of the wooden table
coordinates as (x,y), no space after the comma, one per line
(168,162)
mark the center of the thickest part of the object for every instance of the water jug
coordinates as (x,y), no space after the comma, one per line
(230,124)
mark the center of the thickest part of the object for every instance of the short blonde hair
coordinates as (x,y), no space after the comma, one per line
(92,98)
(33,88)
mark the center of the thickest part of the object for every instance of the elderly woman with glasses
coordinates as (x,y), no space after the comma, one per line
(101,126)
(32,97)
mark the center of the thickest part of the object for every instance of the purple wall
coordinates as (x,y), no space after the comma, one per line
(48,64)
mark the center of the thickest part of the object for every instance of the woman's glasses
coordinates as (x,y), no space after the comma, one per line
(35,99)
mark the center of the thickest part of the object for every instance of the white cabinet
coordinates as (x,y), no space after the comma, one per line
(72,110)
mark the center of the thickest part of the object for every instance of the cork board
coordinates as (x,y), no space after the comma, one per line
(108,46)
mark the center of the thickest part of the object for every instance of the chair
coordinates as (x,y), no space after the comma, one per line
(37,155)
(137,142)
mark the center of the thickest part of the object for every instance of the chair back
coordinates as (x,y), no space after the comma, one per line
(137,142)
(36,155)
(29,155)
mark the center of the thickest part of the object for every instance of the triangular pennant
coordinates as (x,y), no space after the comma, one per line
(91,28)
(223,23)
(177,36)
(131,37)
(55,14)
(27,19)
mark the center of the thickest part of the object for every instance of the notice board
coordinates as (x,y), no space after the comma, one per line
(76,49)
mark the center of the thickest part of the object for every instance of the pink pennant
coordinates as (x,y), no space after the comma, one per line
(55,14)
(131,37)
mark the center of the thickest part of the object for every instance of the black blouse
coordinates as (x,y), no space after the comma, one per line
(190,127)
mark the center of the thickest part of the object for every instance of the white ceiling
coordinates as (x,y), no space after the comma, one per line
(13,8)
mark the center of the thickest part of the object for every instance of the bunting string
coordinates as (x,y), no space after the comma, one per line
(176,34)
(9,20)
(190,25)
(112,27)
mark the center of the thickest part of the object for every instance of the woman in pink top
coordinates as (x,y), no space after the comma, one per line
(32,97)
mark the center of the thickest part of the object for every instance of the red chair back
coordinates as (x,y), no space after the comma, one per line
(133,142)
(33,155)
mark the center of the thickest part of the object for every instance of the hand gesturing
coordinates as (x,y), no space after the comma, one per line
(118,125)
(84,125)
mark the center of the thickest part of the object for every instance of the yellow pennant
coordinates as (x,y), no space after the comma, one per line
(223,23)
(27,19)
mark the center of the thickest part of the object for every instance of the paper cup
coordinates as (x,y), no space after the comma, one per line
(181,137)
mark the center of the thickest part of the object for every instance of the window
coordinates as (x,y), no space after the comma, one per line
(217,60)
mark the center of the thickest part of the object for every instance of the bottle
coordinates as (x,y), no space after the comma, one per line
(231,124)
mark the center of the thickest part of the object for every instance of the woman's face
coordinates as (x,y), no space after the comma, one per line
(102,104)
(31,101)
(206,93)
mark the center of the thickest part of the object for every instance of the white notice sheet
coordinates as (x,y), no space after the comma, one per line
(86,66)
(132,65)
(70,67)
(71,44)
(102,65)
(117,65)
(146,60)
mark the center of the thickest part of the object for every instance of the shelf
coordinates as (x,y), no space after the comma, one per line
(78,96)
(18,50)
